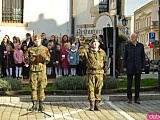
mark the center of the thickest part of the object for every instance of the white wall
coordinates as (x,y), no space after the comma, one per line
(49,16)
(83,16)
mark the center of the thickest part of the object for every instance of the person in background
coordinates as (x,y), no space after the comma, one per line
(51,40)
(73,59)
(28,42)
(81,68)
(44,39)
(57,61)
(4,43)
(18,40)
(65,64)
(56,40)
(8,60)
(25,65)
(134,63)
(10,43)
(18,59)
(102,46)
(77,43)
(50,64)
(14,40)
(65,39)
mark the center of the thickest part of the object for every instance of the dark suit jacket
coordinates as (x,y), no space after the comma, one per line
(134,58)
(25,43)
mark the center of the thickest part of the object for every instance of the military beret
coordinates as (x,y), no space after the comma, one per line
(37,37)
(94,40)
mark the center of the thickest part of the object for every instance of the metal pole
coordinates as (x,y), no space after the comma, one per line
(114,46)
(159,51)
(153,55)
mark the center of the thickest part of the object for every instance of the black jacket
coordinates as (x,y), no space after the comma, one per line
(50,64)
(134,58)
(25,43)
(44,42)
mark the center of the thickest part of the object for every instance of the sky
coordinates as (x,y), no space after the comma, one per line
(133,5)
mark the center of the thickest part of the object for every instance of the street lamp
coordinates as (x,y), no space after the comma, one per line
(124,22)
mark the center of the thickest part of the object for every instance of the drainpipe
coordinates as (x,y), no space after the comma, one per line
(72,20)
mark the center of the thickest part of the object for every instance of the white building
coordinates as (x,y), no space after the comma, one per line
(71,17)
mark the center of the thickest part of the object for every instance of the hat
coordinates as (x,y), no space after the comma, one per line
(73,45)
(94,40)
(37,37)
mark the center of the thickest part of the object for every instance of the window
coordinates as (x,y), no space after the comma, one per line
(12,11)
(103,6)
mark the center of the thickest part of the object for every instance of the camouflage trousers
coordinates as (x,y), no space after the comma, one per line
(38,82)
(94,85)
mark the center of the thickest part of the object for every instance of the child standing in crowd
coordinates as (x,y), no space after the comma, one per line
(18,59)
(25,65)
(57,61)
(65,64)
(73,59)
(50,64)
(8,60)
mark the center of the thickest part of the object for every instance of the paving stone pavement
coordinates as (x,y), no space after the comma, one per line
(110,110)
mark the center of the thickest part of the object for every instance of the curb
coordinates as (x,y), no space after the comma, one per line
(55,98)
(74,92)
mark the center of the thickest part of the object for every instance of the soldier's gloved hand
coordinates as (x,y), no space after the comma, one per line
(32,58)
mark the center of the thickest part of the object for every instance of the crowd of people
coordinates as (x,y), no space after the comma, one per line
(64,59)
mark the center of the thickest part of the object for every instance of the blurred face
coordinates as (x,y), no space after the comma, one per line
(100,39)
(19,46)
(43,36)
(8,48)
(37,42)
(56,38)
(81,37)
(94,36)
(73,47)
(52,37)
(49,47)
(134,38)
(58,47)
(95,45)
(25,48)
(28,37)
(65,38)
(14,40)
(76,40)
(5,40)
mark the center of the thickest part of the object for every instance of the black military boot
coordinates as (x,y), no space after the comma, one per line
(92,105)
(96,106)
(34,106)
(41,106)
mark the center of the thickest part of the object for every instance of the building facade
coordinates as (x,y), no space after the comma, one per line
(35,16)
(71,17)
(146,21)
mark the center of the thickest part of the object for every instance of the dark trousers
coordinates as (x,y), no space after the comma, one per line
(129,85)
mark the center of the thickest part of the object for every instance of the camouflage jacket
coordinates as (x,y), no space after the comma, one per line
(96,61)
(37,51)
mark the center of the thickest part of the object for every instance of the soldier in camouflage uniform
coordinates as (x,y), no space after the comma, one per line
(97,66)
(37,56)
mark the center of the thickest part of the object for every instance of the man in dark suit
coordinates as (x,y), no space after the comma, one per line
(28,42)
(134,63)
